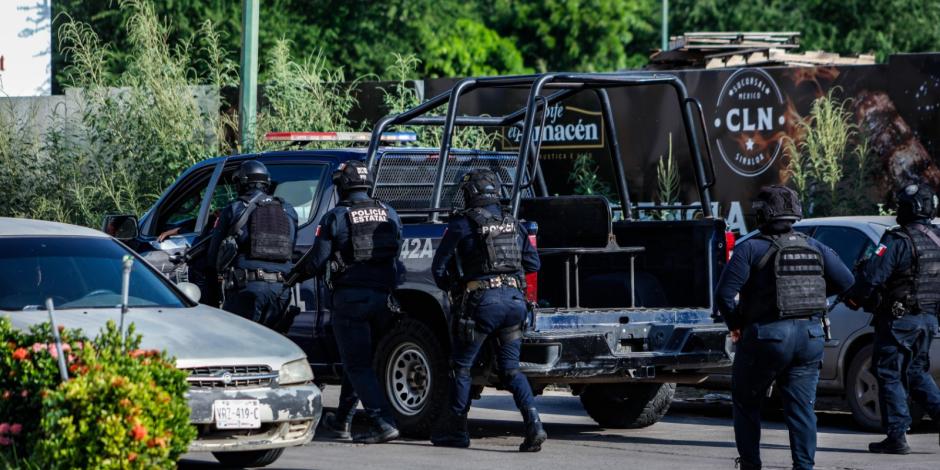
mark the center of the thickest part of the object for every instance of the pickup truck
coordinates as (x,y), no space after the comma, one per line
(623,306)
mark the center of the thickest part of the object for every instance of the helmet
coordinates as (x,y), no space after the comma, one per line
(776,203)
(351,175)
(916,201)
(479,188)
(252,174)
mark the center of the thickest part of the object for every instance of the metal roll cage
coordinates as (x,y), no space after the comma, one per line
(567,84)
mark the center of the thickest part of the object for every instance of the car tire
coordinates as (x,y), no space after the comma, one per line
(627,405)
(861,391)
(412,366)
(248,459)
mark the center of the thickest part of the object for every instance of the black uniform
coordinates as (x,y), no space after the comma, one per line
(253,281)
(903,276)
(482,260)
(357,249)
(782,278)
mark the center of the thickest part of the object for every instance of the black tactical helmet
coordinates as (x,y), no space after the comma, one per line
(350,175)
(479,187)
(252,174)
(776,203)
(916,201)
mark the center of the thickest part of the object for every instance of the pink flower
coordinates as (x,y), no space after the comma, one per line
(5,441)
(24,393)
(16,429)
(4,428)
(38,347)
(53,351)
(66,347)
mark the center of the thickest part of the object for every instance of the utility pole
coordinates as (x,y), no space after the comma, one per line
(248,93)
(665,28)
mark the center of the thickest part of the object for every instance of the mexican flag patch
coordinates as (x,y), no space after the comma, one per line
(881,250)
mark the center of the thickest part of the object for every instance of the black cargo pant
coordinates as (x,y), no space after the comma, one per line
(359,314)
(901,364)
(259,301)
(789,352)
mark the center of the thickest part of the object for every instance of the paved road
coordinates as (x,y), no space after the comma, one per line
(693,436)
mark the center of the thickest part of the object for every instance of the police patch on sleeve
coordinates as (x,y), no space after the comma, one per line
(880,251)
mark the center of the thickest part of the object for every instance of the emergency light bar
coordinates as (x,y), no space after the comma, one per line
(338,136)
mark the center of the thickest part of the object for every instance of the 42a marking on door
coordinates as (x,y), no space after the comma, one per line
(417,248)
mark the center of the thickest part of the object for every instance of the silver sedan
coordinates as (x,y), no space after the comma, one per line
(251,389)
(846,369)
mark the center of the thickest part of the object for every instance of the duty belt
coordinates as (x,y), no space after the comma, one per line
(493,283)
(251,275)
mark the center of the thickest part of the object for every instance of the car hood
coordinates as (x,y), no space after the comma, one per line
(199,336)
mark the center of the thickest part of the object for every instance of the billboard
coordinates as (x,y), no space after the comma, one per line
(750,113)
(25,47)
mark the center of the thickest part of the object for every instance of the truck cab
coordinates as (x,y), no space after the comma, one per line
(623,306)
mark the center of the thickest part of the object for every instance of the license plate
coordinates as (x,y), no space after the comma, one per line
(236,414)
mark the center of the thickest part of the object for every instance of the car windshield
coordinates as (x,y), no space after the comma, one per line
(75,272)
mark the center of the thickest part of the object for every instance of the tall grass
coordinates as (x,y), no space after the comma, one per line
(135,131)
(830,165)
(667,182)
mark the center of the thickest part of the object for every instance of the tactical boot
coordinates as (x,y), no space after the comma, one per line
(534,434)
(891,445)
(340,429)
(380,431)
(451,431)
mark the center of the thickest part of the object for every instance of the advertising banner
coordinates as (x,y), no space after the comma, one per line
(750,115)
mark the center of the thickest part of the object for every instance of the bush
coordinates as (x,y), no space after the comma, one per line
(123,407)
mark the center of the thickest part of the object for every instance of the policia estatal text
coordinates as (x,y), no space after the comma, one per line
(356,251)
(252,248)
(482,261)
(900,283)
(782,278)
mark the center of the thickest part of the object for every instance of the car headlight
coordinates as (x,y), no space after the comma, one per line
(295,372)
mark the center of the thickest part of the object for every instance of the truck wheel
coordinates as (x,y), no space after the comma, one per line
(250,458)
(627,405)
(861,391)
(412,369)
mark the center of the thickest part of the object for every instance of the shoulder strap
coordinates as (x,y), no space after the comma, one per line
(240,223)
(770,251)
(929,233)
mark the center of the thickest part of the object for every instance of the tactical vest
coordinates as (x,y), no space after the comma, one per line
(498,244)
(918,286)
(374,237)
(798,274)
(269,232)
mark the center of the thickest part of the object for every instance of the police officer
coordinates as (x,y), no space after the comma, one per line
(482,258)
(782,277)
(252,247)
(901,284)
(356,249)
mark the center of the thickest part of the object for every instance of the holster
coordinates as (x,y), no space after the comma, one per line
(463,324)
(234,279)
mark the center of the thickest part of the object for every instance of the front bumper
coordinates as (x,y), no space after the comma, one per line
(591,350)
(289,417)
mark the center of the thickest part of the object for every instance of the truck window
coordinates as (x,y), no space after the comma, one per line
(181,208)
(295,184)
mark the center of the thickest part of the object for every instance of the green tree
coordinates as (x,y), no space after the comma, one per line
(577,35)
(847,26)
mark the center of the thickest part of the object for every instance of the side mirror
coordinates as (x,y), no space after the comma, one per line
(191,291)
(122,227)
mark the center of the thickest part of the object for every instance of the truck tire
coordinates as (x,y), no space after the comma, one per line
(250,458)
(413,371)
(627,405)
(861,391)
